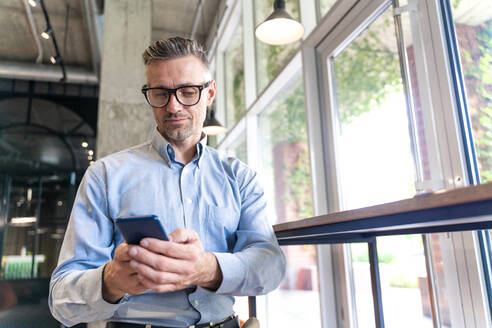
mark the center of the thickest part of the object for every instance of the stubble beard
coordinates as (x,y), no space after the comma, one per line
(178,133)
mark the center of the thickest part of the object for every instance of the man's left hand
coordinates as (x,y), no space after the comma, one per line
(166,266)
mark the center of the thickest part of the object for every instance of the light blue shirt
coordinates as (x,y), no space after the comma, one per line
(218,197)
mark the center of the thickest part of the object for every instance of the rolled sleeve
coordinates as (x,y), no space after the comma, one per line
(82,301)
(233,273)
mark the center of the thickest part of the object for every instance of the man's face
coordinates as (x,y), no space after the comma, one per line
(175,121)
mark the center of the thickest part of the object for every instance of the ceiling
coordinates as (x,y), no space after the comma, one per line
(22,24)
(44,121)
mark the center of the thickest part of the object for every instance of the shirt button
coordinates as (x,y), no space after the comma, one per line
(189,201)
(196,302)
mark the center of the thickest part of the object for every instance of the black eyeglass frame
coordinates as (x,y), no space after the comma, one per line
(173,92)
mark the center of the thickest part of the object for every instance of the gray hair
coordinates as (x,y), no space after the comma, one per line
(175,47)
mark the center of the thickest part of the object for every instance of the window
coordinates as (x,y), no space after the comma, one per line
(234,78)
(373,136)
(34,233)
(239,149)
(473,27)
(285,170)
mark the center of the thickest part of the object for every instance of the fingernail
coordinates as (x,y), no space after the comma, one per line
(133,251)
(133,264)
(144,243)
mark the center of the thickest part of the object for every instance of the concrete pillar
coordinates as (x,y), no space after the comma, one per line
(124,117)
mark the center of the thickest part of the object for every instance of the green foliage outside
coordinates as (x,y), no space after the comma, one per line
(478,77)
(367,72)
(404,281)
(360,253)
(234,74)
(288,125)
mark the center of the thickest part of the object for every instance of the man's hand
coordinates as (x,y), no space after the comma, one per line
(166,266)
(119,278)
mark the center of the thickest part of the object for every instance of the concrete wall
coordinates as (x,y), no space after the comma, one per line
(124,118)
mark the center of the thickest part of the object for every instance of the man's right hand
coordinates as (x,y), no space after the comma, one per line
(119,278)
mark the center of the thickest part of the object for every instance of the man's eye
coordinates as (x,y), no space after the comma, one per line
(161,93)
(188,92)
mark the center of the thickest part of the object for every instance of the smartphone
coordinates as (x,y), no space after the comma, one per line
(135,228)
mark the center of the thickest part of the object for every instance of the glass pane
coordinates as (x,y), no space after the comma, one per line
(404,284)
(287,181)
(376,165)
(361,279)
(325,5)
(239,149)
(375,160)
(18,242)
(444,270)
(271,59)
(26,228)
(473,25)
(234,78)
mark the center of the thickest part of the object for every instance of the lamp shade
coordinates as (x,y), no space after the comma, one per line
(212,126)
(279,28)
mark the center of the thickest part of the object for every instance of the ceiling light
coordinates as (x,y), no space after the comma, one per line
(22,220)
(90,152)
(33,3)
(279,28)
(84,144)
(89,158)
(211,126)
(91,162)
(54,59)
(46,34)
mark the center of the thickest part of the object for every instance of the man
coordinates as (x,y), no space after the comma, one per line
(221,243)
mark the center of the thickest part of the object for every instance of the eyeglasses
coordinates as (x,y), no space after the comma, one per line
(187,95)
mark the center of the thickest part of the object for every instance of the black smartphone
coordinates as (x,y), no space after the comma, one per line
(135,228)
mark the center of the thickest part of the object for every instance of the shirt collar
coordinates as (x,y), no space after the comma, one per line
(166,151)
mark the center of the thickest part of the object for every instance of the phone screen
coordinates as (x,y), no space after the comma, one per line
(135,228)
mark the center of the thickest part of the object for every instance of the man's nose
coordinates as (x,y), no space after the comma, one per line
(173,105)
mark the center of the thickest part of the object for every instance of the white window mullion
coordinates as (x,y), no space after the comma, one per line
(462,259)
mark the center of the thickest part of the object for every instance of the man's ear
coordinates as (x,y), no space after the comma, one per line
(211,93)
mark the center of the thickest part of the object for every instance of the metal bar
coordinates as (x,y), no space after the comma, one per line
(5,183)
(353,238)
(376,284)
(198,15)
(473,216)
(50,73)
(55,44)
(405,76)
(431,281)
(29,102)
(485,252)
(459,91)
(36,224)
(34,31)
(252,306)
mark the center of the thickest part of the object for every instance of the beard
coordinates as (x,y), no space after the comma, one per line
(177,132)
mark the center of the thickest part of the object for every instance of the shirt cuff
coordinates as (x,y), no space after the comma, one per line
(233,273)
(93,292)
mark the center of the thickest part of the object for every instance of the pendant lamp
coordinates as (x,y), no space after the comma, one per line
(279,28)
(212,126)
